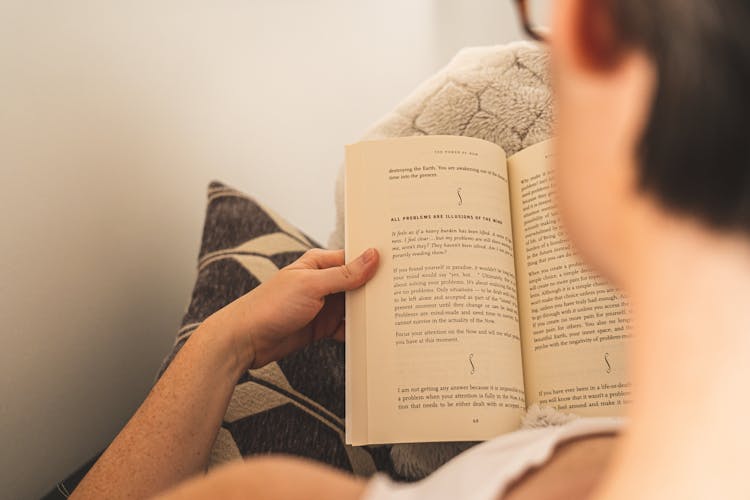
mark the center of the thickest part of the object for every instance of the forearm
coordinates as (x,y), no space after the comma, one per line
(271,477)
(170,436)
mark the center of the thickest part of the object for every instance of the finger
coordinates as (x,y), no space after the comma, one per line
(317,258)
(347,276)
(329,316)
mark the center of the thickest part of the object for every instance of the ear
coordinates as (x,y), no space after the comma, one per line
(602,102)
(585,34)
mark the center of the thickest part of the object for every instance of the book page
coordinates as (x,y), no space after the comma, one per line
(432,340)
(574,324)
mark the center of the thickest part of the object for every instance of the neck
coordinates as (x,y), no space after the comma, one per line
(689,361)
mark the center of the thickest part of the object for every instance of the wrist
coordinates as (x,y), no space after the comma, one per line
(234,337)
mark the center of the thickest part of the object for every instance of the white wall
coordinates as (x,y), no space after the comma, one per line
(113,118)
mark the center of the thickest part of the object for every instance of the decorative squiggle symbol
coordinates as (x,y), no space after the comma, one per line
(606,360)
(460,200)
(473,368)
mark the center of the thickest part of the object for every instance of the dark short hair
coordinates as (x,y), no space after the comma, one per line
(695,150)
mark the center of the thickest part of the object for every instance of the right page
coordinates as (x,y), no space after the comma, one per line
(574,325)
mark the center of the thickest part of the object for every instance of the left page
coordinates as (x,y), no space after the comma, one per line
(433,347)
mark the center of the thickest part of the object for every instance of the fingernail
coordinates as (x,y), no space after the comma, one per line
(368,255)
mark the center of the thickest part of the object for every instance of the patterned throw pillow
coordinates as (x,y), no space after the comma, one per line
(293,406)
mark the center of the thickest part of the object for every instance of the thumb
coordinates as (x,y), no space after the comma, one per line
(348,276)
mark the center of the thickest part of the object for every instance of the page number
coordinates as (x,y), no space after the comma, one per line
(475,420)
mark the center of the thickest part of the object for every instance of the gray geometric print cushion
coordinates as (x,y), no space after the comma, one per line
(296,405)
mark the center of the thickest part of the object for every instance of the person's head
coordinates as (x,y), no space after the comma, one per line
(652,113)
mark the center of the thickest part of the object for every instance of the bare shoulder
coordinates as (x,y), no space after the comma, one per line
(270,477)
(573,471)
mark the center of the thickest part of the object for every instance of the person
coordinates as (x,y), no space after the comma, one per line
(653,187)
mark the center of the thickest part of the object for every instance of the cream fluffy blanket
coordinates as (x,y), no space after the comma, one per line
(500,94)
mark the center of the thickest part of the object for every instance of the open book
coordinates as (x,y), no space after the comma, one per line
(479,308)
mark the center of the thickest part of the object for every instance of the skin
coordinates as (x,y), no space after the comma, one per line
(688,285)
